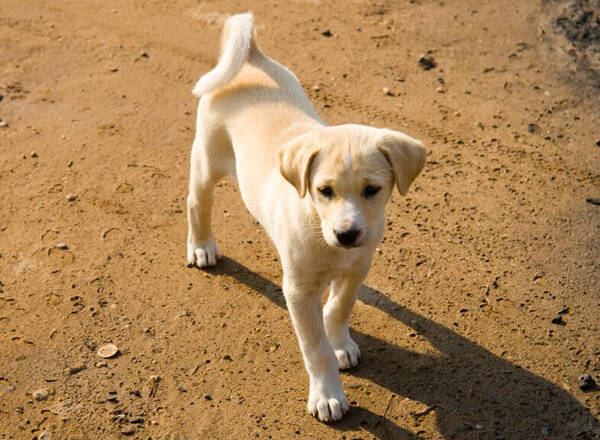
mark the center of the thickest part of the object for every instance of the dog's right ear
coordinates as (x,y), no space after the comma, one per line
(295,158)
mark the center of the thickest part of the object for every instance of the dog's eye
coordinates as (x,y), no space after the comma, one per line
(371,190)
(326,191)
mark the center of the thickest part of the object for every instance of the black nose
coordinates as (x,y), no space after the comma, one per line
(347,237)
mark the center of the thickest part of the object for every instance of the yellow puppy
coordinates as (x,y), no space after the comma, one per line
(319,191)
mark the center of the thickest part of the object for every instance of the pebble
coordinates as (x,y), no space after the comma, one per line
(33,154)
(427,62)
(3,124)
(532,127)
(76,368)
(387,91)
(72,197)
(207,396)
(593,201)
(100,364)
(598,143)
(70,163)
(558,320)
(227,358)
(326,33)
(107,351)
(40,395)
(316,87)
(128,430)
(586,382)
(440,90)
(62,246)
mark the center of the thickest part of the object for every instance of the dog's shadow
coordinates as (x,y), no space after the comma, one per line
(472,392)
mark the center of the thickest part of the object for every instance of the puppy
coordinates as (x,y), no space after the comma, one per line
(319,191)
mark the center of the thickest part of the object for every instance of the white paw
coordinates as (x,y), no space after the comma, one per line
(347,355)
(327,403)
(203,254)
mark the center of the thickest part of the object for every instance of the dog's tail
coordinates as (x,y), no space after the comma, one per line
(238,45)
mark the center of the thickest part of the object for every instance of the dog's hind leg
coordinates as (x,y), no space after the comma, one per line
(336,313)
(211,159)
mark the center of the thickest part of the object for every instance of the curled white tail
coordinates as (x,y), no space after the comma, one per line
(236,47)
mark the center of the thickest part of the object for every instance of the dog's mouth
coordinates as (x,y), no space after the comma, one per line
(348,246)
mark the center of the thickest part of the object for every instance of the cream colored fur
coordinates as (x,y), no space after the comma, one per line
(255,123)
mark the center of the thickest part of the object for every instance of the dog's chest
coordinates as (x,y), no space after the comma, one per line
(341,261)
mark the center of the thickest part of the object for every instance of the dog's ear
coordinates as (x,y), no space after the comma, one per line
(295,158)
(405,155)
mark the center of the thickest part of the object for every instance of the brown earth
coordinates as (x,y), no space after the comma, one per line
(494,240)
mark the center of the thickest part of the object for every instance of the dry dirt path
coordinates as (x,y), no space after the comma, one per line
(455,319)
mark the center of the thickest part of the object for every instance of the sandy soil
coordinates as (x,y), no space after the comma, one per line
(455,321)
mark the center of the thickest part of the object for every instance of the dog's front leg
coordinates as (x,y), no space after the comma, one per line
(337,311)
(326,398)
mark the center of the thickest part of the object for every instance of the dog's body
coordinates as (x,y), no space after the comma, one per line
(318,191)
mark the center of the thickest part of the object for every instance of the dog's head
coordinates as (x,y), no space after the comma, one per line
(348,171)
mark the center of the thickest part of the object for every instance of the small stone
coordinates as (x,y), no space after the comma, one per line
(586,382)
(327,33)
(33,154)
(114,69)
(76,369)
(72,197)
(100,364)
(144,54)
(227,358)
(40,395)
(598,143)
(207,396)
(387,91)
(128,430)
(70,163)
(440,90)
(558,320)
(593,201)
(62,246)
(316,87)
(136,420)
(427,62)
(532,127)
(107,351)
(3,124)
(564,311)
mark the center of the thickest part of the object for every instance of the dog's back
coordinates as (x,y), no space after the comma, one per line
(244,74)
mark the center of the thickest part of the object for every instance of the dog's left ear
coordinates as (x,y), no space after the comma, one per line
(295,158)
(406,156)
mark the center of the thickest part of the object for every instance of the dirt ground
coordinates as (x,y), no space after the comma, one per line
(493,243)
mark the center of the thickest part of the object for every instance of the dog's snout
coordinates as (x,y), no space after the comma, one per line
(347,237)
